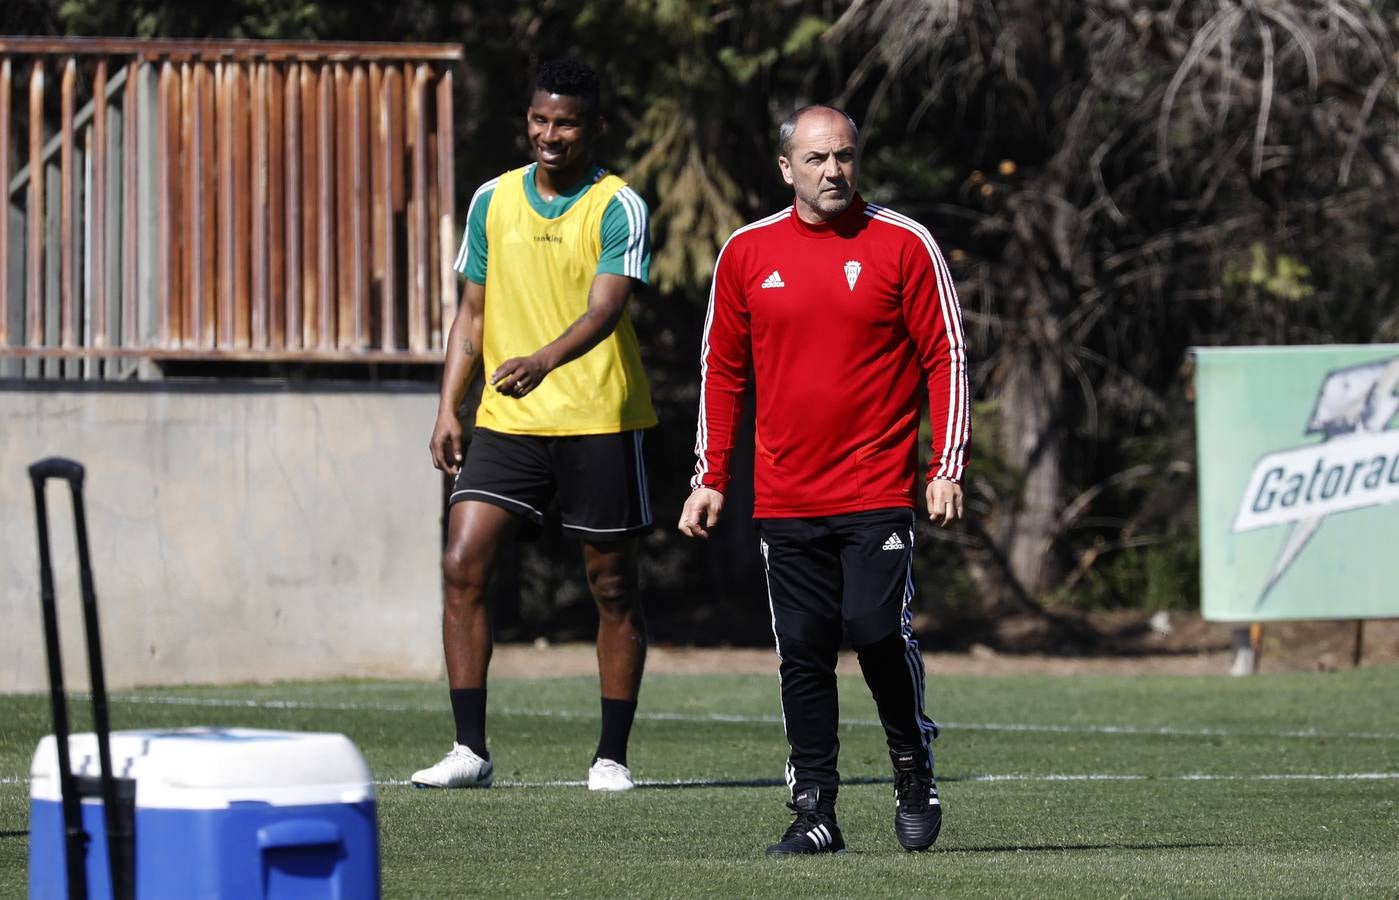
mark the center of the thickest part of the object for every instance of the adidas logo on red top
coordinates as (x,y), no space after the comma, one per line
(774,280)
(894,542)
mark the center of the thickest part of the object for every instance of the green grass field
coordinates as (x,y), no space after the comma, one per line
(1271,786)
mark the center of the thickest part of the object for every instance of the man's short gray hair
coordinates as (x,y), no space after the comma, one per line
(789,126)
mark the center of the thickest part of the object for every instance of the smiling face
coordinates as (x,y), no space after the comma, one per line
(561,133)
(820,165)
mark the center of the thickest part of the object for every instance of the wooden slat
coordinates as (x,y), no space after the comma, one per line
(5,76)
(88,266)
(391,144)
(312,214)
(192,261)
(310,208)
(412,300)
(418,255)
(168,227)
(344,206)
(257,247)
(98,300)
(376,204)
(427,358)
(291,323)
(325,225)
(207,233)
(446,192)
(35,211)
(242,204)
(67,237)
(179,177)
(192,214)
(130,336)
(261,203)
(223,154)
(233,208)
(433,278)
(362,249)
(276,211)
(399,85)
(183,50)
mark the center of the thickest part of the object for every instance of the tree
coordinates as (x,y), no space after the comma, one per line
(1113,182)
(1126,165)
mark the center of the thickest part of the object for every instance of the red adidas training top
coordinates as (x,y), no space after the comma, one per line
(842,323)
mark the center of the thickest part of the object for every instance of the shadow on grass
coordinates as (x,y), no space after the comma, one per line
(769,782)
(5,834)
(752,783)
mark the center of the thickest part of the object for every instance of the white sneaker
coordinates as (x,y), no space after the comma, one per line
(606,775)
(460,768)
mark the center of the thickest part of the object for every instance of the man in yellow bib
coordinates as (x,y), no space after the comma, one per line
(551,253)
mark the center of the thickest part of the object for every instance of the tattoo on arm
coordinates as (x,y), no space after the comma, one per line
(468,347)
(587,315)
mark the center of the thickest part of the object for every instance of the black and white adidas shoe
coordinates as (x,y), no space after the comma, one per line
(917,810)
(814,830)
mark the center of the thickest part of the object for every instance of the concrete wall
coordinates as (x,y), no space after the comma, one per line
(238,533)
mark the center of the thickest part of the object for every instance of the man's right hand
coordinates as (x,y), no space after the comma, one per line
(445,445)
(701,512)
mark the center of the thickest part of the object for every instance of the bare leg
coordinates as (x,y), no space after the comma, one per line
(621,649)
(475,533)
(621,627)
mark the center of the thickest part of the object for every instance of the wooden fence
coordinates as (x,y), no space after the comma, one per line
(242,200)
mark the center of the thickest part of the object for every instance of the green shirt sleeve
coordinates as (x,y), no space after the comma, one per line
(626,237)
(471,258)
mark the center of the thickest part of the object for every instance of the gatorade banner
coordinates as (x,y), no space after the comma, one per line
(1299,482)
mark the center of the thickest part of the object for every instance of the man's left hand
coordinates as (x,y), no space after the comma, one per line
(944,499)
(519,375)
(701,512)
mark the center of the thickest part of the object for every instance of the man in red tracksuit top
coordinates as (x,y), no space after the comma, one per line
(846,312)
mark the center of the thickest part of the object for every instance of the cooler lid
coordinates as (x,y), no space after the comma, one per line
(213,767)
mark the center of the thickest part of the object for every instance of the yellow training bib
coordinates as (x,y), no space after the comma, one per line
(537,281)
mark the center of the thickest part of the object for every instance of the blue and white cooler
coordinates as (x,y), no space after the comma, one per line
(219,812)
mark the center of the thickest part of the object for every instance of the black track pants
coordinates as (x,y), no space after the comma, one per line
(848,575)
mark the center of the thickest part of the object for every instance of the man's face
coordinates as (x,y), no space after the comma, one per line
(561,133)
(821,166)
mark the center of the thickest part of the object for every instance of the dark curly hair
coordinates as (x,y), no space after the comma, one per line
(570,77)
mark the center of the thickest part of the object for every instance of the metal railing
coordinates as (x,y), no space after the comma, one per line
(242,200)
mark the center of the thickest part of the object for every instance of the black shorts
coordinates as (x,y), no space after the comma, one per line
(851,572)
(599,480)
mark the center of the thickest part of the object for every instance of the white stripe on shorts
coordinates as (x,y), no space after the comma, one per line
(456,494)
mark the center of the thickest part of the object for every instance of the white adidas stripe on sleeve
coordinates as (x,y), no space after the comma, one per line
(957,426)
(464,253)
(635,209)
(702,427)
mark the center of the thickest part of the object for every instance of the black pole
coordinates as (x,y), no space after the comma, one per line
(75,838)
(120,857)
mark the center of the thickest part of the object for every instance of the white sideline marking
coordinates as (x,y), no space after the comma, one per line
(1290,776)
(1167,731)
(715,782)
(1130,730)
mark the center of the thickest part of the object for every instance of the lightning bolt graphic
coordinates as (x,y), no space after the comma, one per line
(1358,400)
